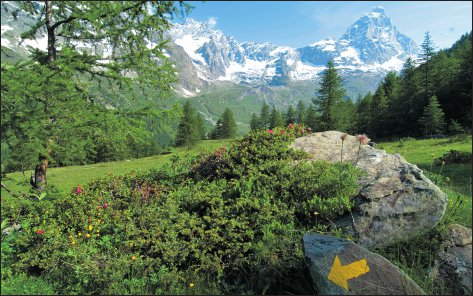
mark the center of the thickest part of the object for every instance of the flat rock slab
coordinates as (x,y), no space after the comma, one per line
(395,201)
(341,267)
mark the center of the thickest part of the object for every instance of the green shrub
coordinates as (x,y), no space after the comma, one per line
(226,222)
(26,285)
(455,156)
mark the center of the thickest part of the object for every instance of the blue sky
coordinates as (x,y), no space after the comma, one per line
(299,23)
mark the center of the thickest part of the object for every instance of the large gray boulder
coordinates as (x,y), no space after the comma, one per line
(453,267)
(341,267)
(395,201)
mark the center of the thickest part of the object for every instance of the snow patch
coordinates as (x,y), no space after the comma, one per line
(190,45)
(6,28)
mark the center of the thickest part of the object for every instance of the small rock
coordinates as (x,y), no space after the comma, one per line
(452,269)
(341,267)
(8,230)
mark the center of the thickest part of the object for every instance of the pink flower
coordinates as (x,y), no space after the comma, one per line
(363,139)
(302,131)
(271,131)
(105,205)
(291,125)
(79,190)
(40,232)
(282,132)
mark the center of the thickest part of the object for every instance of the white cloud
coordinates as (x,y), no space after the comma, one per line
(212,21)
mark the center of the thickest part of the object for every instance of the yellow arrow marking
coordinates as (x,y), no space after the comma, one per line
(341,274)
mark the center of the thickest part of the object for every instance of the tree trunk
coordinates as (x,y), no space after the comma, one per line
(51,34)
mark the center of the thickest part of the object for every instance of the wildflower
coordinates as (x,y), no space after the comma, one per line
(343,137)
(191,285)
(282,132)
(133,257)
(98,221)
(105,205)
(271,131)
(130,244)
(302,131)
(91,227)
(98,231)
(363,139)
(40,232)
(309,129)
(291,125)
(73,242)
(443,162)
(79,234)
(79,190)
(87,235)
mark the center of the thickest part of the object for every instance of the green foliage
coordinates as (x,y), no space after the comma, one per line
(330,95)
(291,116)
(400,101)
(188,131)
(264,116)
(225,127)
(432,121)
(276,119)
(26,285)
(254,122)
(455,156)
(226,222)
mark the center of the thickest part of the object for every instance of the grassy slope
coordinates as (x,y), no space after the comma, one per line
(420,153)
(65,178)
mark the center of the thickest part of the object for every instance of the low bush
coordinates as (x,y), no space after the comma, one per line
(455,156)
(226,222)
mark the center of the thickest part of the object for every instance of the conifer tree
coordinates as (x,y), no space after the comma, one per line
(301,112)
(291,116)
(199,122)
(311,118)
(254,122)
(428,51)
(330,94)
(432,121)
(264,116)
(225,127)
(188,133)
(275,119)
(229,125)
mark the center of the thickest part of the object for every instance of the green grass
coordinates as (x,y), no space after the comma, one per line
(64,178)
(420,152)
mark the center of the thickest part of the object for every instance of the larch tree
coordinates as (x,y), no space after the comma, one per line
(120,42)
(329,97)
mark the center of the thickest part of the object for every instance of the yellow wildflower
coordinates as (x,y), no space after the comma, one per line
(130,244)
(98,221)
(79,234)
(73,242)
(91,227)
(88,235)
(133,257)
(191,285)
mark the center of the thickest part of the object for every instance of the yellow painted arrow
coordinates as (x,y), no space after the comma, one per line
(341,274)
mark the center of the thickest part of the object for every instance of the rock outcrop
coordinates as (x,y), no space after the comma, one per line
(395,201)
(452,269)
(341,267)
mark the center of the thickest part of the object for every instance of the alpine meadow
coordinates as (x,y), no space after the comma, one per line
(179,148)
